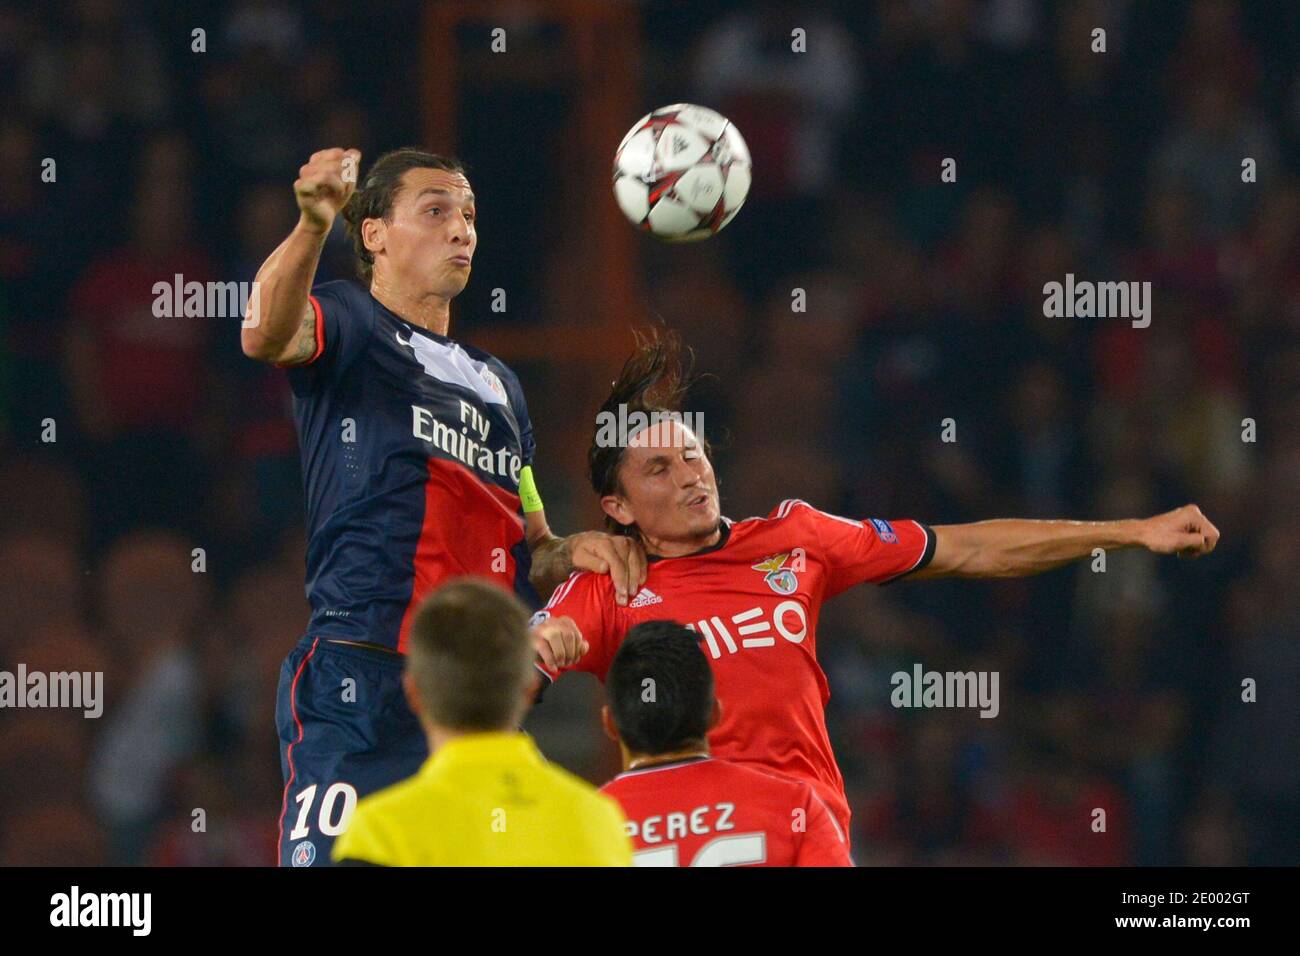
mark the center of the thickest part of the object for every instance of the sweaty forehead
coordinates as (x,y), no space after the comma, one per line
(416,181)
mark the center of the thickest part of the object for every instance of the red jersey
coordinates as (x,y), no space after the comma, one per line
(708,812)
(754,599)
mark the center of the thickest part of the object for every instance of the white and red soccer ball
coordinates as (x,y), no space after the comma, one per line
(681,172)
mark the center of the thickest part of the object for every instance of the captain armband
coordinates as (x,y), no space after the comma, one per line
(528,495)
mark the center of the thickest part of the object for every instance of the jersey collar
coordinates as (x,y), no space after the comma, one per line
(671,765)
(409,325)
(724,527)
(514,747)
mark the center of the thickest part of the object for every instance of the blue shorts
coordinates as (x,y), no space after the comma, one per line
(346,731)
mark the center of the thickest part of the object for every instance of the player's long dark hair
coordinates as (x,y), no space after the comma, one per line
(655,378)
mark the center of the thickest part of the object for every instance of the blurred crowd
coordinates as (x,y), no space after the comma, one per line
(150,492)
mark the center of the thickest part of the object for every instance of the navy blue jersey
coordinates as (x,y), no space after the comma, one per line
(412,447)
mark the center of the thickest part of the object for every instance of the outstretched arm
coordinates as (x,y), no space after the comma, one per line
(555,558)
(1015,547)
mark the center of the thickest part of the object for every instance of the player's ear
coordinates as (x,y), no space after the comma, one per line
(715,717)
(412,696)
(373,233)
(607,722)
(616,508)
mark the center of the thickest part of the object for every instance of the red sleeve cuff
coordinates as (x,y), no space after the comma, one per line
(543,684)
(320,336)
(927,553)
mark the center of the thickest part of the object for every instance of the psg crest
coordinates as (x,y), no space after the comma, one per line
(304,854)
(493,382)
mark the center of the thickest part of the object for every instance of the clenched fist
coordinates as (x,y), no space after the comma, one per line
(559,643)
(1184,531)
(324,186)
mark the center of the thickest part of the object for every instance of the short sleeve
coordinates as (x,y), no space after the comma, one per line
(822,844)
(871,551)
(588,599)
(345,320)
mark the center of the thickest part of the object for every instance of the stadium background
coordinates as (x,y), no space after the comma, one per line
(924,299)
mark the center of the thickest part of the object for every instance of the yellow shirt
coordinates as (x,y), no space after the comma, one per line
(487,799)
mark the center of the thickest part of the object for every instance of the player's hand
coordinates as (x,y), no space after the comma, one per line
(559,643)
(325,184)
(619,556)
(1183,531)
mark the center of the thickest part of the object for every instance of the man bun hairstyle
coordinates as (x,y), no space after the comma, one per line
(375,193)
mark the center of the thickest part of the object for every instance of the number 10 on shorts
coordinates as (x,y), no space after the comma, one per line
(336,808)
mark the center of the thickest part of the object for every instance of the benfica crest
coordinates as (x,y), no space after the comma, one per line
(778,577)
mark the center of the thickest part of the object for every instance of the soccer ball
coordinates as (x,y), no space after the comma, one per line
(681,173)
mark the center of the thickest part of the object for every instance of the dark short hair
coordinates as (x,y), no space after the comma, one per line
(656,377)
(471,656)
(673,711)
(376,192)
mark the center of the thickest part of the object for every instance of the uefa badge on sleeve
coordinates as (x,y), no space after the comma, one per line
(884,530)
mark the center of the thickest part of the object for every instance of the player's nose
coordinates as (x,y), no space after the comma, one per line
(686,476)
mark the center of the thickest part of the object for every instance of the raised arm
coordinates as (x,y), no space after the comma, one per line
(1014,547)
(280,324)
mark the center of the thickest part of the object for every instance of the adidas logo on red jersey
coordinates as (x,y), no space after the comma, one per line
(646,597)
